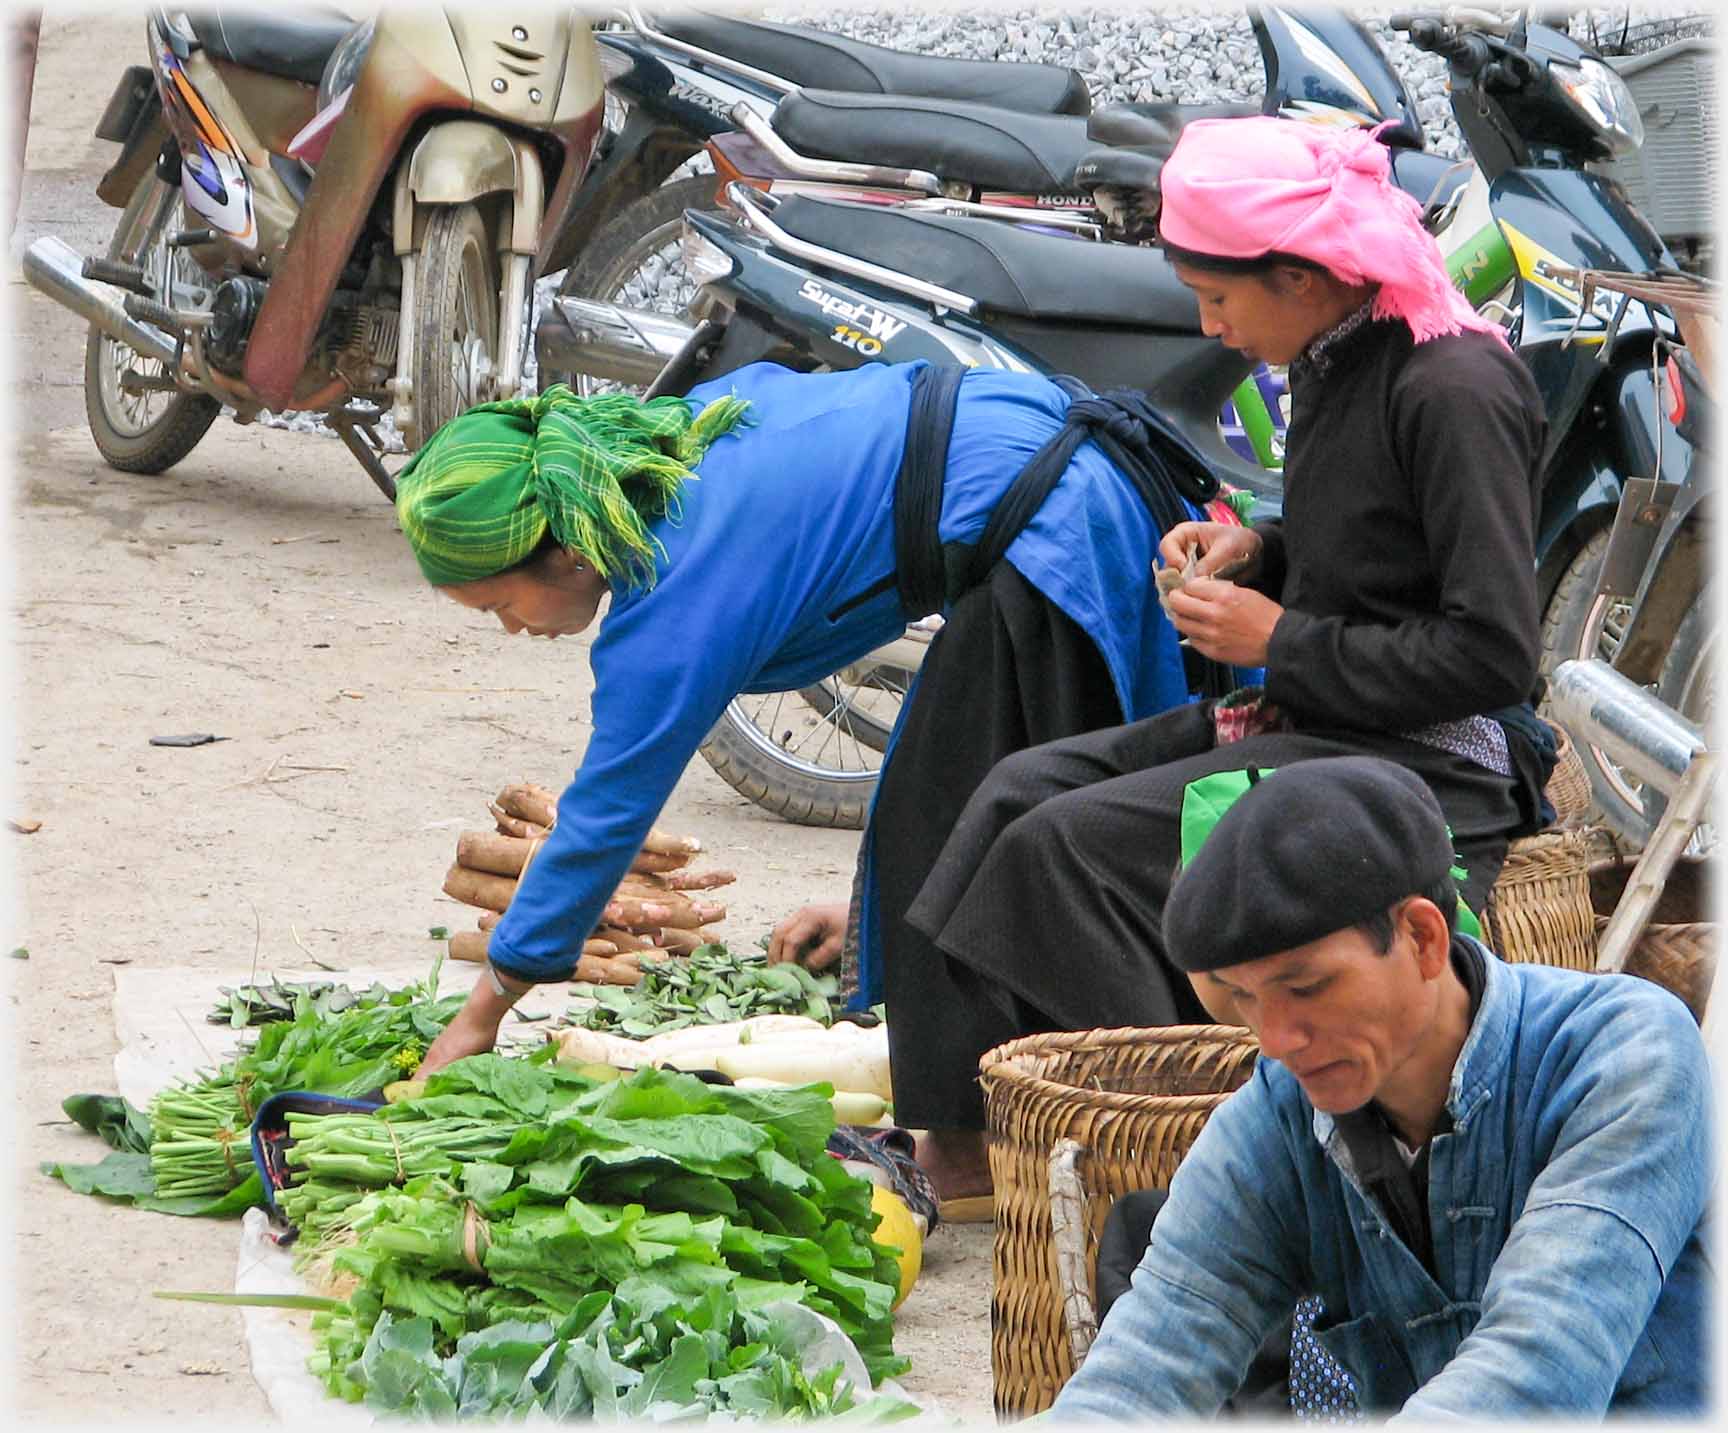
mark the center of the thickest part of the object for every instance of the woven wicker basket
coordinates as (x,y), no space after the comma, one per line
(1539,910)
(1568,788)
(1678,948)
(1134,1099)
(1680,958)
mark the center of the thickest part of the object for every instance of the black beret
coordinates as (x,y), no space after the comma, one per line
(1311,848)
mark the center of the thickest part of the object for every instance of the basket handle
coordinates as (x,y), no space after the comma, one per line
(1068,1236)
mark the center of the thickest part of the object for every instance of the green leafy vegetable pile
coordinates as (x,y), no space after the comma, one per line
(634,1233)
(197,1158)
(710,987)
(246,1005)
(609,1361)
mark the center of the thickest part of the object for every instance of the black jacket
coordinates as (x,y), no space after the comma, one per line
(1405,556)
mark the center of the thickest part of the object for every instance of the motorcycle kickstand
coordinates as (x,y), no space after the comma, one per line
(365,449)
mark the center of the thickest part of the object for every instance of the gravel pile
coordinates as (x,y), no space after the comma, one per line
(1188,54)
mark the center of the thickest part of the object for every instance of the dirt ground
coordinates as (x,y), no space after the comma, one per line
(260,592)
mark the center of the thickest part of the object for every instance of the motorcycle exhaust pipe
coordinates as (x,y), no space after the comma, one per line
(1599,706)
(57,269)
(601,340)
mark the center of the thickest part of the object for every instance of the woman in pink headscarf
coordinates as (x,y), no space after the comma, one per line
(1392,606)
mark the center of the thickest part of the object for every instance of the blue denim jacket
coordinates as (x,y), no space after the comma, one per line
(1567,1205)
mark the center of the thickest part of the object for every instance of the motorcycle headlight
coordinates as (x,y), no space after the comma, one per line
(343,66)
(1602,97)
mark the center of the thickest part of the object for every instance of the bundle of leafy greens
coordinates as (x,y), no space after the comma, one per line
(198,1160)
(623,1219)
(609,1360)
(244,1005)
(709,987)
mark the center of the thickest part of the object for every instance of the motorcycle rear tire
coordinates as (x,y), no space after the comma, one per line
(1687,684)
(456,270)
(162,442)
(750,765)
(1580,624)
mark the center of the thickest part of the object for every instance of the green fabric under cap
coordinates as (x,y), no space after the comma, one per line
(492,483)
(1205,800)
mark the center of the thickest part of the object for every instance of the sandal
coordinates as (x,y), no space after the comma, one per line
(969,1209)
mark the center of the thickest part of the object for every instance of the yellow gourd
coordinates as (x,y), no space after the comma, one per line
(898,1230)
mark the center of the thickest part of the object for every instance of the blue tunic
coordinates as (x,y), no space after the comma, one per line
(788,519)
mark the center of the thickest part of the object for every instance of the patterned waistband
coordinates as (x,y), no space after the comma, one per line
(1479,739)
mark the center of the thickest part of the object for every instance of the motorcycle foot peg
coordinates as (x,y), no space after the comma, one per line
(147,310)
(191,238)
(134,382)
(121,275)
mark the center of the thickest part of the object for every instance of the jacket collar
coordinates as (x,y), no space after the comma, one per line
(1325,350)
(1475,1073)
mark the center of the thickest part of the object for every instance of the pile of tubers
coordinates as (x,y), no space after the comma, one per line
(651,913)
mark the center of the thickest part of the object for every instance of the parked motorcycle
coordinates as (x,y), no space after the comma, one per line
(325,217)
(1538,111)
(675,84)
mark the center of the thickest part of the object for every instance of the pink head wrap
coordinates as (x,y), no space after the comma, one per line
(1243,188)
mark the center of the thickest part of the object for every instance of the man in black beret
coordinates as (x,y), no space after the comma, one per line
(1494,1177)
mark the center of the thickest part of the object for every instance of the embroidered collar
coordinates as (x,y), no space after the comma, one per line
(1322,352)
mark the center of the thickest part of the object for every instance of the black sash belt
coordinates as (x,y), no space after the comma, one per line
(928,575)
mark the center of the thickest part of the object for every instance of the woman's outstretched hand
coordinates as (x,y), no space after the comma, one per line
(474,1031)
(811,937)
(1223,550)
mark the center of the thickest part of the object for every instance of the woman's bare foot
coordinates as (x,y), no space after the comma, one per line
(957,1162)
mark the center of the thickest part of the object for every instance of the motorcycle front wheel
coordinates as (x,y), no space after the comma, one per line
(151,430)
(456,324)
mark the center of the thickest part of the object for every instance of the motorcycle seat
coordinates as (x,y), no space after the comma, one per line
(295,45)
(1430,179)
(809,57)
(1008,269)
(1147,125)
(982,145)
(1119,167)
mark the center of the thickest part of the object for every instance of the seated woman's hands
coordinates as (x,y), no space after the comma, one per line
(1222,550)
(811,936)
(1220,620)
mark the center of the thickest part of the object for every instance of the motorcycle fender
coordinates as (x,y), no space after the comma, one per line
(138,153)
(1672,583)
(1645,504)
(461,160)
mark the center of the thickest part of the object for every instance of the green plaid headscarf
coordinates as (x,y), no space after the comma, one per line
(488,486)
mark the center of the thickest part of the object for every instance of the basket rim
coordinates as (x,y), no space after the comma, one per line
(1000,1067)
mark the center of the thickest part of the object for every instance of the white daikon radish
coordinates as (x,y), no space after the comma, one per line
(858,1107)
(842,1063)
(595,1047)
(730,1032)
(839,1030)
